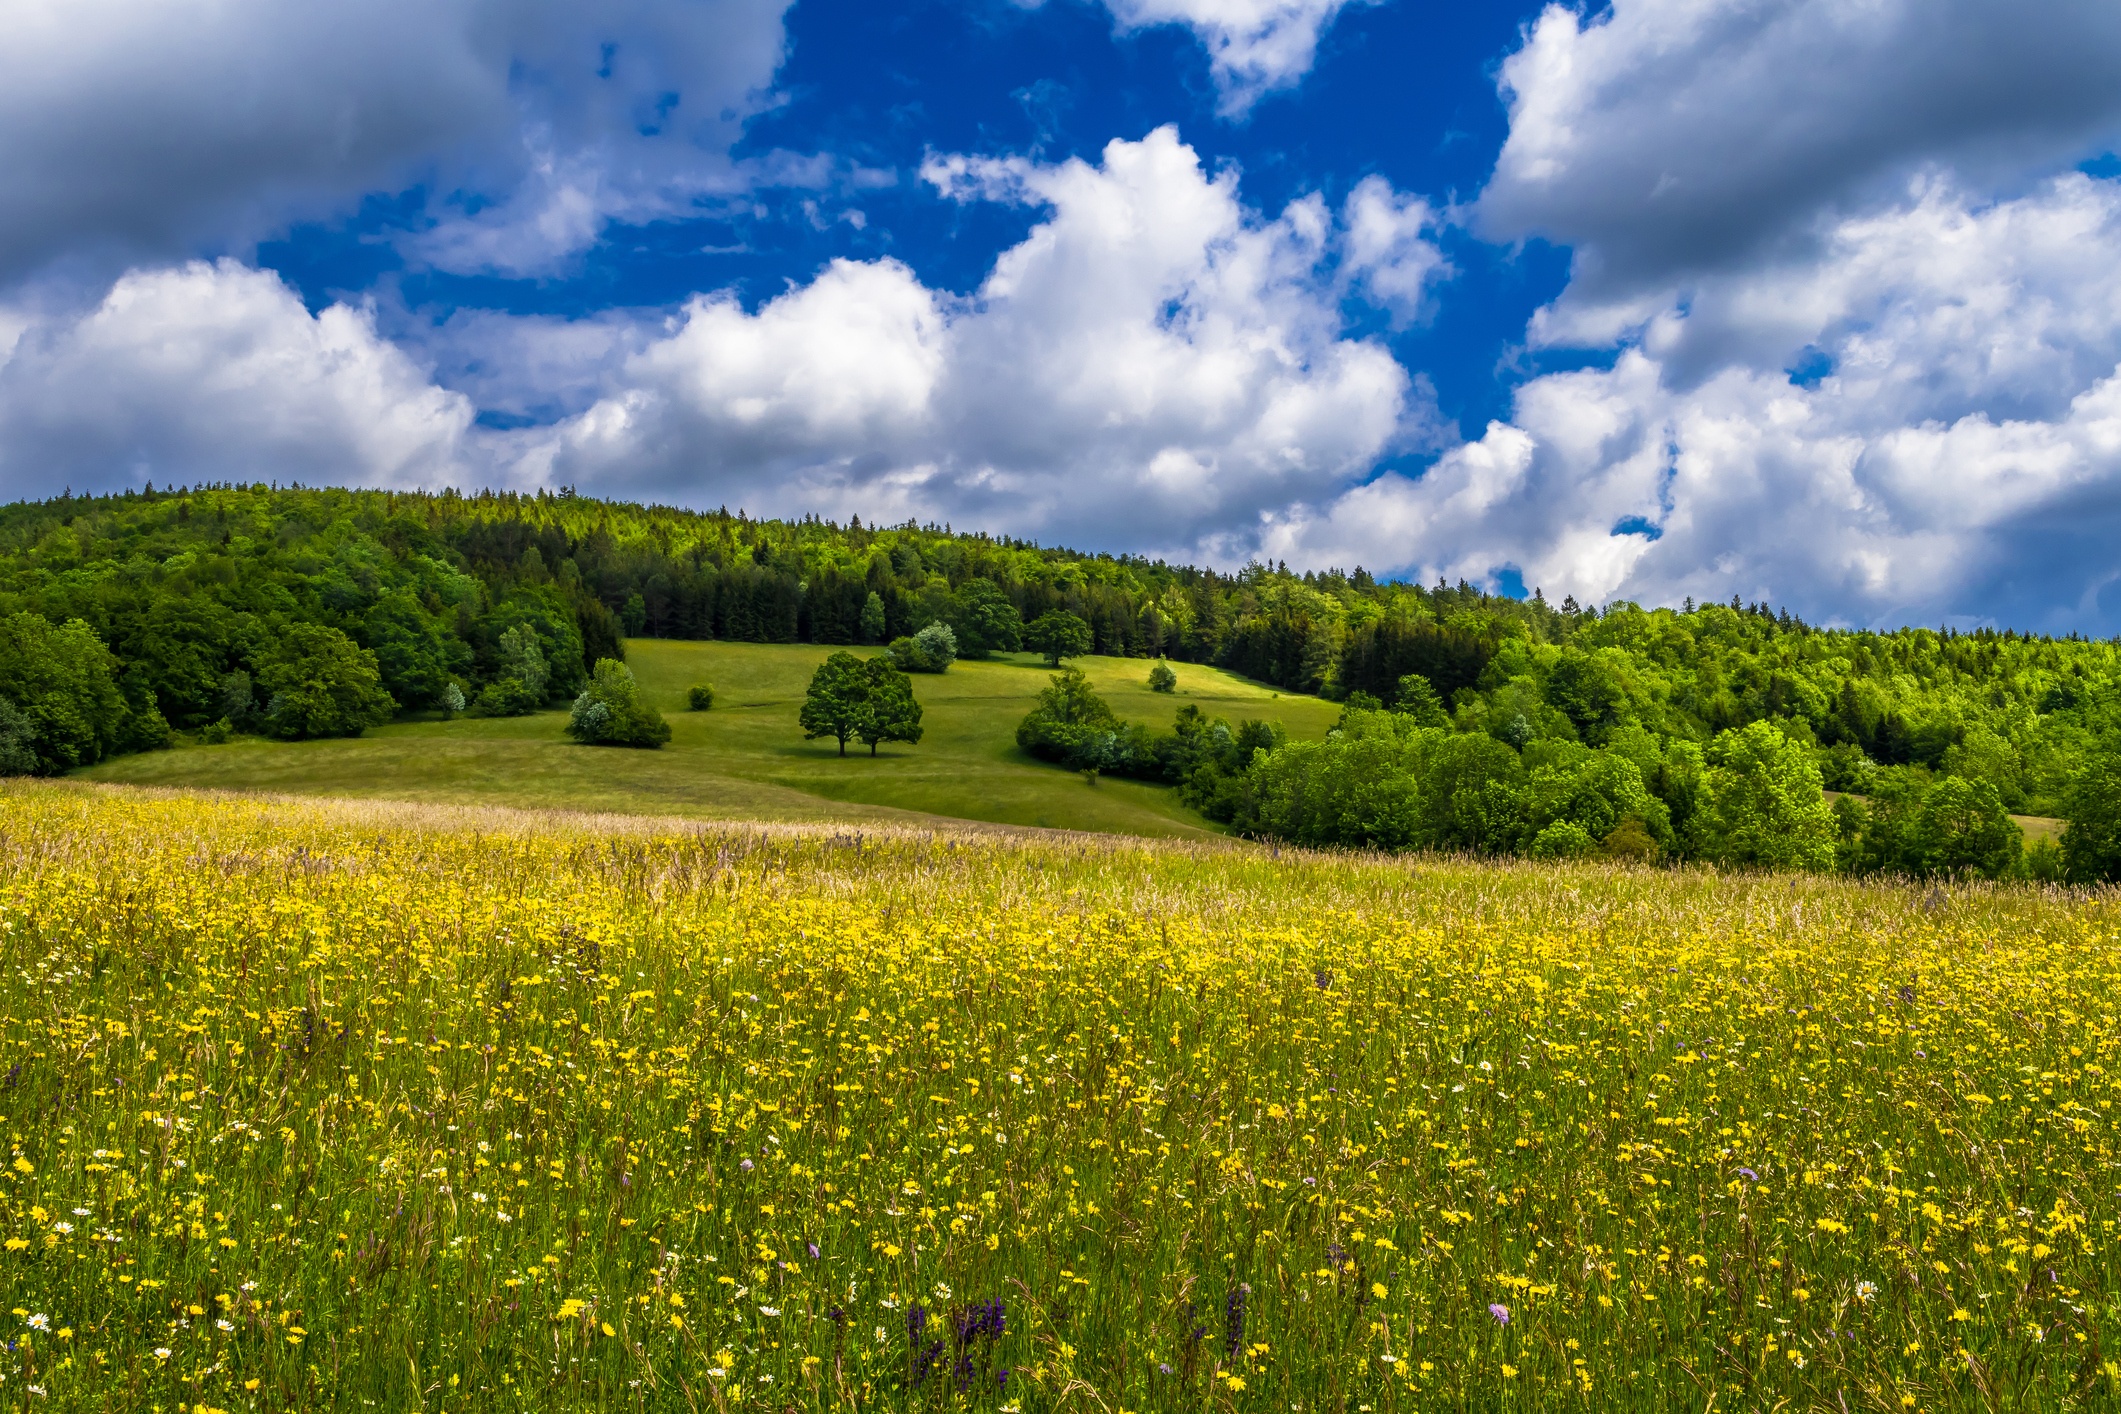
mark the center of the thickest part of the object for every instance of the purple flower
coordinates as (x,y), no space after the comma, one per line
(1750,1176)
(813,1250)
(1500,1312)
(745,1166)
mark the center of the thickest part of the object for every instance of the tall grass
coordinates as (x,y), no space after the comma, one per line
(368,1106)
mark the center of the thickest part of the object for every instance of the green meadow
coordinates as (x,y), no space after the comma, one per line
(746,758)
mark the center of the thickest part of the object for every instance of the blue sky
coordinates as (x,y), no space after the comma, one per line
(1805,300)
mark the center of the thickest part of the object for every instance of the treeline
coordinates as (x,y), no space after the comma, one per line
(304,612)
(1410,779)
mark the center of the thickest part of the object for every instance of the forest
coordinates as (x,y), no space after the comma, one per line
(297,612)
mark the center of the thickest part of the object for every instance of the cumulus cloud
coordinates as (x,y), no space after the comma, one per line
(1664,136)
(1255,47)
(1152,366)
(138,129)
(218,372)
(1924,419)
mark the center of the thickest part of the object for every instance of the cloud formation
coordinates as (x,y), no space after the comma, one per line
(1661,137)
(1153,364)
(1255,47)
(218,372)
(137,130)
(1921,420)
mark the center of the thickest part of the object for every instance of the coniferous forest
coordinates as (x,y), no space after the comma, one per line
(1475,721)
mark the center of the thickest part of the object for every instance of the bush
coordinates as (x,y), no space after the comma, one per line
(612,712)
(1564,839)
(319,684)
(932,650)
(700,696)
(216,733)
(1161,678)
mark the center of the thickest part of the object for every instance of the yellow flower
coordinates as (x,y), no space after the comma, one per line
(1378,1290)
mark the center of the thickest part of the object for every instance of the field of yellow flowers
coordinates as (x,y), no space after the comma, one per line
(322,1106)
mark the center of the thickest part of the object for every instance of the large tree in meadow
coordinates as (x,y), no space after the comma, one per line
(837,703)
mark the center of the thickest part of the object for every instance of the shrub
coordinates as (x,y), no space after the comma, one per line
(700,696)
(1161,678)
(216,733)
(612,712)
(1564,839)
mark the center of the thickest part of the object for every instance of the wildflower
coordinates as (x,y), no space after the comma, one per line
(1865,1291)
(40,1322)
(1500,1312)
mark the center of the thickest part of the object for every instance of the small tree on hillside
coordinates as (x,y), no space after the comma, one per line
(838,700)
(872,623)
(890,713)
(1058,634)
(1161,678)
(321,683)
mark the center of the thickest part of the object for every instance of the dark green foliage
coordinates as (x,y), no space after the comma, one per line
(1058,634)
(318,682)
(837,700)
(610,711)
(889,711)
(984,620)
(1068,718)
(872,620)
(64,706)
(1161,678)
(1380,655)
(522,679)
(700,696)
(2091,839)
(411,653)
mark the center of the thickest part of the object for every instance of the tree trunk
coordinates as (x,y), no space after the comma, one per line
(872,748)
(843,746)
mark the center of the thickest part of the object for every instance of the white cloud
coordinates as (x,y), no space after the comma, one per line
(1952,446)
(218,372)
(138,129)
(1151,366)
(1389,255)
(1255,47)
(1660,136)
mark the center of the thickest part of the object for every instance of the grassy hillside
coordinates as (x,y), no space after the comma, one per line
(327,1106)
(747,759)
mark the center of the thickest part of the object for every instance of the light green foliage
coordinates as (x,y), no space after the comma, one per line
(873,620)
(700,696)
(611,711)
(1161,678)
(319,683)
(1417,699)
(1762,803)
(2091,843)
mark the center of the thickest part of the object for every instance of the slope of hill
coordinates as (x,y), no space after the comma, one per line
(746,758)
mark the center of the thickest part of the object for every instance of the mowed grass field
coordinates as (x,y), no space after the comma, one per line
(747,759)
(347,1106)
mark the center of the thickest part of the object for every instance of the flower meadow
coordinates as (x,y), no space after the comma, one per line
(328,1106)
